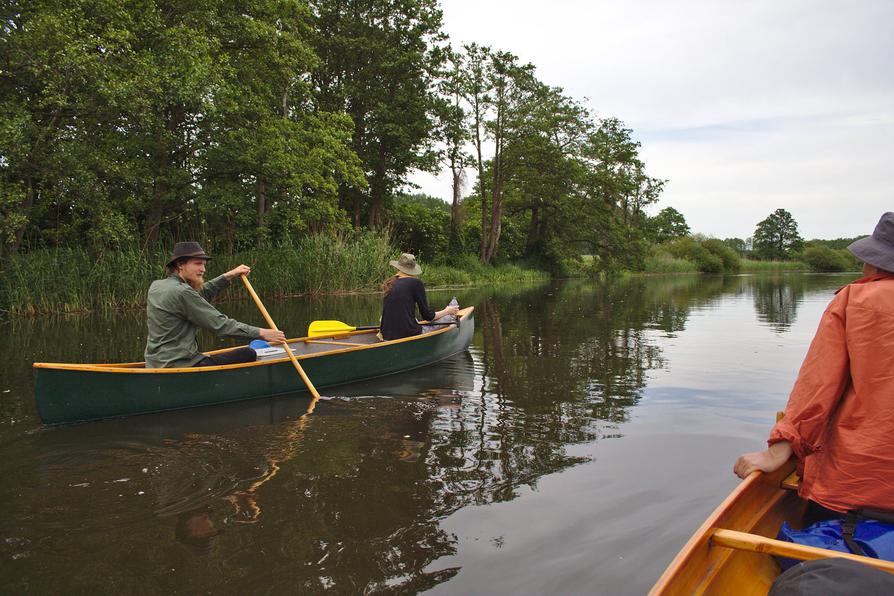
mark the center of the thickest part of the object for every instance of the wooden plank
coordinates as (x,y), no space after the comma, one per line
(762,544)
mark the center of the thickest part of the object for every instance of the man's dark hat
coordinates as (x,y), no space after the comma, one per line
(187,249)
(878,249)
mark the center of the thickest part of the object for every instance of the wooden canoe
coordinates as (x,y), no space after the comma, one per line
(733,551)
(68,393)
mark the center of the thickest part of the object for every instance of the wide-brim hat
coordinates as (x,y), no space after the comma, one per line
(878,249)
(406,263)
(187,249)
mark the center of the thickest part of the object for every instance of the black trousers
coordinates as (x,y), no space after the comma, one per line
(237,356)
(817,513)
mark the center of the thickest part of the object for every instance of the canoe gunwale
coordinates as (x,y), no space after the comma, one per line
(139,368)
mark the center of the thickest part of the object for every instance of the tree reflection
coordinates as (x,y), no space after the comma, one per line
(776,297)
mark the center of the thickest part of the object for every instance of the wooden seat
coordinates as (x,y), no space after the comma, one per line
(792,481)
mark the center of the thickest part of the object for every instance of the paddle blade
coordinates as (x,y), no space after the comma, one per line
(326,328)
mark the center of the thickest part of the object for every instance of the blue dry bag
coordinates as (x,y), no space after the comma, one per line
(257,344)
(874,538)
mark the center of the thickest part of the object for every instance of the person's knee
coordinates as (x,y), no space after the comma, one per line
(247,354)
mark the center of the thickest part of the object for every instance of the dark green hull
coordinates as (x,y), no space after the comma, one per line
(73,393)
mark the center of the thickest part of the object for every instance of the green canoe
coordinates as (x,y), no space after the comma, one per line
(68,393)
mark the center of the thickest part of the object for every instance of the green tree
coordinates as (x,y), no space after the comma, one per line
(140,121)
(454,131)
(545,171)
(474,86)
(420,225)
(616,190)
(737,244)
(57,103)
(668,224)
(378,63)
(268,145)
(776,237)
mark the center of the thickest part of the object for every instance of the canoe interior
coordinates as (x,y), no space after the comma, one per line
(300,347)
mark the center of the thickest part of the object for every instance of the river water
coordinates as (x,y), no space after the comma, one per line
(573,450)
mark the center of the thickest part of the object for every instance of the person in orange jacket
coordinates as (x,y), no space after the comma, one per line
(839,420)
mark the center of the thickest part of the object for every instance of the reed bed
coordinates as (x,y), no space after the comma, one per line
(71,280)
(663,262)
(752,266)
(468,270)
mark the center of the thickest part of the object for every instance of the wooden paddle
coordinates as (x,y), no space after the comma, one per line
(328,328)
(295,363)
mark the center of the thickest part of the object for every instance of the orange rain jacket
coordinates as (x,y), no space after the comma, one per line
(840,415)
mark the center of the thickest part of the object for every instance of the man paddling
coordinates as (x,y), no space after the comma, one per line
(179,304)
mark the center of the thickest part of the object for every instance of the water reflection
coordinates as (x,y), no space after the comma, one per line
(776,297)
(354,498)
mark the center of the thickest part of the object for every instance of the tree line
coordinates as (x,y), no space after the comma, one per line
(253,124)
(776,238)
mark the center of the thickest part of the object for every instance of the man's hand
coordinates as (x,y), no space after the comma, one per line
(240,270)
(274,336)
(769,460)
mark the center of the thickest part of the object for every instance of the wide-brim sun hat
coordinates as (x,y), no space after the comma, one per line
(878,249)
(187,249)
(406,263)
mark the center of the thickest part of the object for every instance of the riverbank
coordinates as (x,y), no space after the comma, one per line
(71,280)
(669,264)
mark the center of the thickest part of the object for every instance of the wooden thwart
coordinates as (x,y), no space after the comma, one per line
(792,481)
(770,546)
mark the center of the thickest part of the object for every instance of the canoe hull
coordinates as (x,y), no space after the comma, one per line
(66,394)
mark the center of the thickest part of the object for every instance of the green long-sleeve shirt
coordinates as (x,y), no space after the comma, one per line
(174,313)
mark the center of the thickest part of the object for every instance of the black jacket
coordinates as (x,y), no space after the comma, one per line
(399,309)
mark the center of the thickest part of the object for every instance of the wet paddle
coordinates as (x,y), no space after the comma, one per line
(310,386)
(328,328)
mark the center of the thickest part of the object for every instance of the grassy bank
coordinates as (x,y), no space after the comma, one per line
(664,263)
(71,280)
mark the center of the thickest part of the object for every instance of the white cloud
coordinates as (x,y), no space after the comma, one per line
(744,106)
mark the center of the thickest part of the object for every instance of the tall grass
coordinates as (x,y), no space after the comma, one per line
(750,266)
(662,262)
(71,280)
(320,264)
(467,270)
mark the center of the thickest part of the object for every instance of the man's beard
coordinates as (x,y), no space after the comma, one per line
(196,284)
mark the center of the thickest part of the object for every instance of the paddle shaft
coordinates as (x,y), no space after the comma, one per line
(295,363)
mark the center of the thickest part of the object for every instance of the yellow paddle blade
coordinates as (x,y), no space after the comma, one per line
(324,328)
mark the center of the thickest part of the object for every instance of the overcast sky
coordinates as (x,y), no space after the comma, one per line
(743,106)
